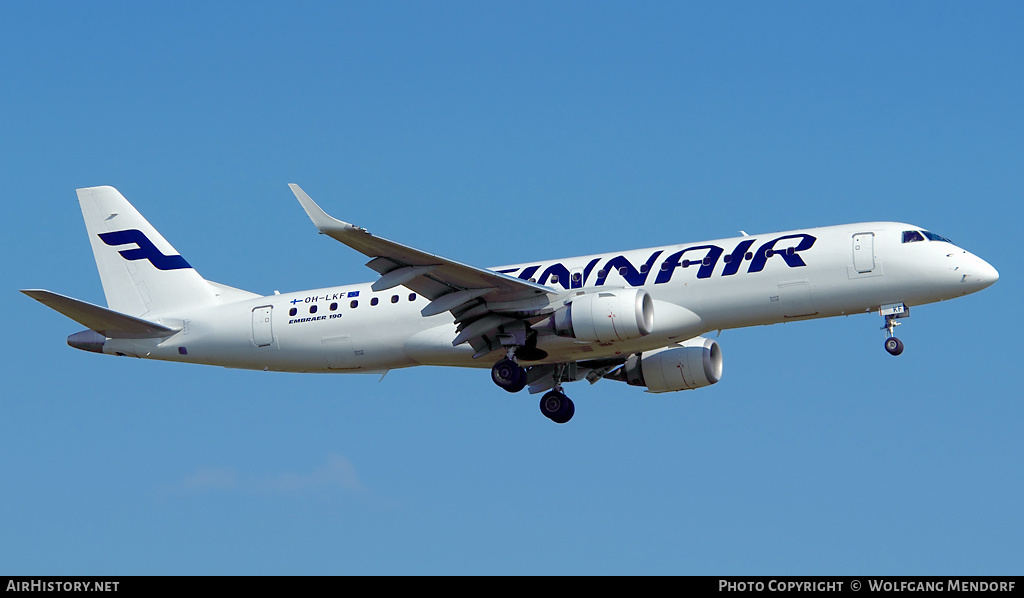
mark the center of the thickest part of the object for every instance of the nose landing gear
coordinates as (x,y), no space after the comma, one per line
(893,345)
(892,312)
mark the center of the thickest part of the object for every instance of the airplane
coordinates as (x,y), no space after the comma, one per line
(633,316)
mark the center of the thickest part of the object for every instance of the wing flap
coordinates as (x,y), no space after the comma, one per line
(452,301)
(400,276)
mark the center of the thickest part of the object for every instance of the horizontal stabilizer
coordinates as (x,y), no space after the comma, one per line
(109,323)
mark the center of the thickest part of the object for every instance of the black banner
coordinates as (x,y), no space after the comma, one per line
(867,584)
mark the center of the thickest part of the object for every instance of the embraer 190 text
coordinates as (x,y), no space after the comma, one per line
(633,316)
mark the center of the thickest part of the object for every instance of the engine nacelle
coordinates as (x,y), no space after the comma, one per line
(605,317)
(693,364)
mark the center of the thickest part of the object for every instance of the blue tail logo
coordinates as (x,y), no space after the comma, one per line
(145,250)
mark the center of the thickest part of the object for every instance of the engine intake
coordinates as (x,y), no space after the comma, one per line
(689,365)
(606,317)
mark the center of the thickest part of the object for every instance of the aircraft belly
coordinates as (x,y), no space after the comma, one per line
(434,347)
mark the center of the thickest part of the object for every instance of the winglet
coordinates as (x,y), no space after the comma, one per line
(323,222)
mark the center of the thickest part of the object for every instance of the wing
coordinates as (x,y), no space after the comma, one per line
(485,303)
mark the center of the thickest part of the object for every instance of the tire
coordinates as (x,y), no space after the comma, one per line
(893,345)
(557,407)
(509,375)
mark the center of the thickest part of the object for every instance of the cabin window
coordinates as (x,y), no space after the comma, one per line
(554,279)
(334,307)
(354,304)
(312,309)
(412,296)
(374,301)
(292,311)
(394,298)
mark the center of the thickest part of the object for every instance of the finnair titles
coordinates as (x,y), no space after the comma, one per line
(636,316)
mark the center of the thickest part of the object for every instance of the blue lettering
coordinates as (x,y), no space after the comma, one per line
(705,256)
(707,263)
(791,254)
(587,271)
(632,276)
(735,259)
(558,270)
(527,273)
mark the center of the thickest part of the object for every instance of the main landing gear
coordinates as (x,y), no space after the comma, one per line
(557,407)
(554,404)
(892,312)
(509,375)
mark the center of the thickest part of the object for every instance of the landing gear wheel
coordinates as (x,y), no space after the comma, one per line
(893,345)
(509,375)
(893,312)
(557,407)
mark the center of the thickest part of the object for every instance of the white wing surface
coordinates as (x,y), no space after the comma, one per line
(475,296)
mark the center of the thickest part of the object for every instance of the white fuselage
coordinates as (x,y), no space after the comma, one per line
(696,288)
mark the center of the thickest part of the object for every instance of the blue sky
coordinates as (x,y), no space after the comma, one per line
(497,133)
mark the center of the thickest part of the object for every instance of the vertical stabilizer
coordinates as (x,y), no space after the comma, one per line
(140,271)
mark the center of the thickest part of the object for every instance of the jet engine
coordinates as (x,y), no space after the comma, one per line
(605,317)
(693,364)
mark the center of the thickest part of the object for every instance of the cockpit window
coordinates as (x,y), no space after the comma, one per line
(934,237)
(909,236)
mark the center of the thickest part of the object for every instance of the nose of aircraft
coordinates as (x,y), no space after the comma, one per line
(976,273)
(985,275)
